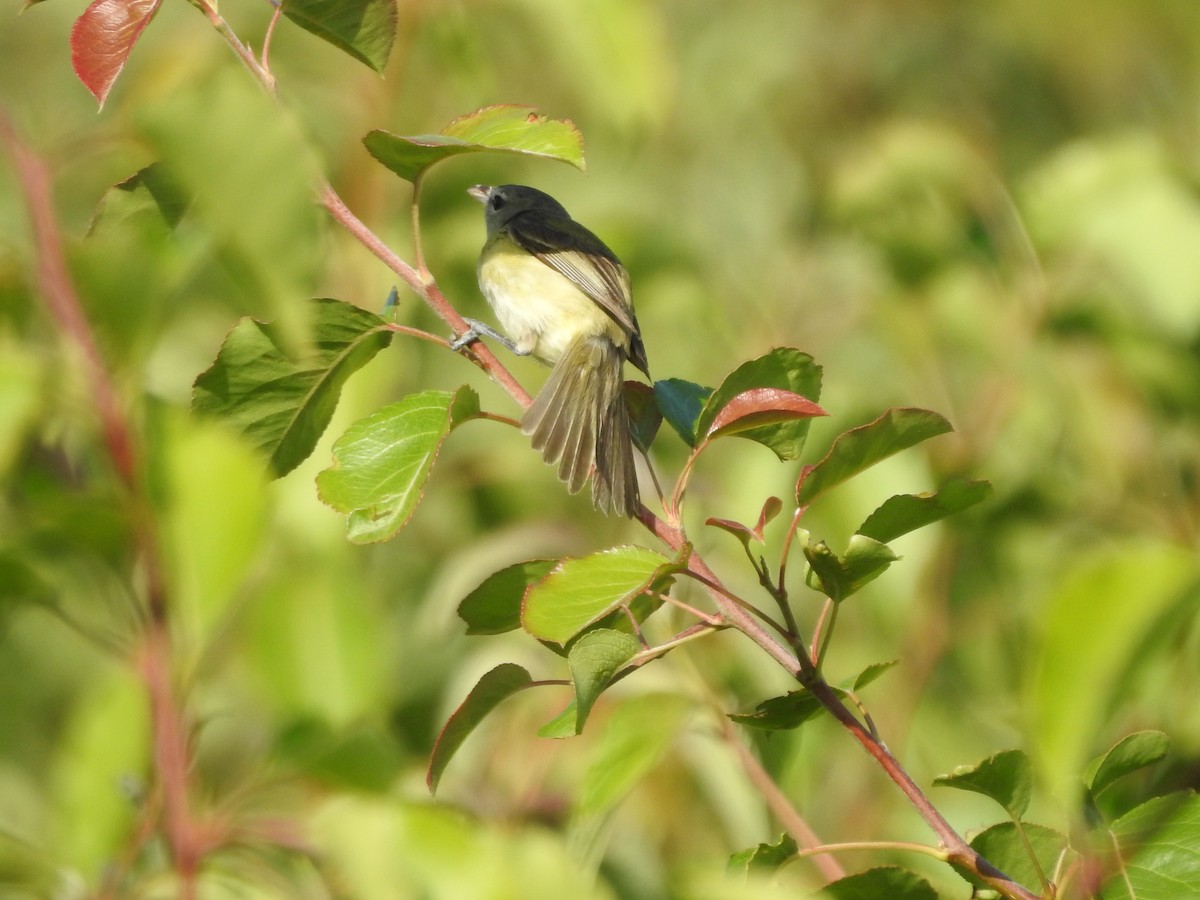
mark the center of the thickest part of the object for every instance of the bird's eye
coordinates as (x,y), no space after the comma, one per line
(497,201)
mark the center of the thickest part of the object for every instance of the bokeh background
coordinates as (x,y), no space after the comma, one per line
(990,210)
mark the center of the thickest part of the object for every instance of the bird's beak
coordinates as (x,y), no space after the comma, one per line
(480,192)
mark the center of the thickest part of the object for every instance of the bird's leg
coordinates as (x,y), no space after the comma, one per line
(479,329)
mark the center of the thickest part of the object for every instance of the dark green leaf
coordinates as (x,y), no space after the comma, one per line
(907,512)
(495,606)
(381,464)
(887,881)
(1160,847)
(365,29)
(765,858)
(594,659)
(1003,846)
(282,399)
(681,403)
(781,713)
(860,448)
(578,592)
(644,416)
(1006,777)
(1133,752)
(783,369)
(511,129)
(496,685)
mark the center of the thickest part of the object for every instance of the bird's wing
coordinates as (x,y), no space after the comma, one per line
(589,263)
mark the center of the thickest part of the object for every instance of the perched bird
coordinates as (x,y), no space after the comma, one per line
(561,295)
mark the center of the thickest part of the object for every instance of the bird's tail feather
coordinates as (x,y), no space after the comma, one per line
(579,420)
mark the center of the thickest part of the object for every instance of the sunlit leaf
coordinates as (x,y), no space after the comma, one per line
(507,128)
(495,606)
(578,592)
(594,659)
(381,463)
(791,373)
(1006,777)
(102,39)
(907,512)
(365,29)
(885,881)
(1004,846)
(1160,850)
(1132,752)
(681,403)
(282,399)
(860,448)
(496,685)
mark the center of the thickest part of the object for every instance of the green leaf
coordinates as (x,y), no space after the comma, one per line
(495,606)
(781,713)
(381,464)
(765,858)
(840,576)
(636,738)
(580,591)
(562,725)
(1160,845)
(365,29)
(1004,846)
(860,448)
(1132,752)
(280,398)
(362,757)
(681,403)
(496,685)
(507,128)
(594,659)
(885,881)
(784,370)
(149,193)
(1006,777)
(871,673)
(907,512)
(1093,623)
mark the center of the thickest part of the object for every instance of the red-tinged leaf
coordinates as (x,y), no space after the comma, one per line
(496,685)
(762,406)
(102,38)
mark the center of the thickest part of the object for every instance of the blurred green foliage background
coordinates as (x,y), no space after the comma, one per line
(991,210)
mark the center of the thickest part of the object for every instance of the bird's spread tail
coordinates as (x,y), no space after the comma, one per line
(579,419)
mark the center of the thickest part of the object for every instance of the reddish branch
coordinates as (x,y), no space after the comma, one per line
(171,760)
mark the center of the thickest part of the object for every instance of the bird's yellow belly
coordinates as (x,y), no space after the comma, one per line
(539,308)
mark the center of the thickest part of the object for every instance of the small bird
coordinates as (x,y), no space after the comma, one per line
(561,295)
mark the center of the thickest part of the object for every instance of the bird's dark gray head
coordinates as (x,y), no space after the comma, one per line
(501,204)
